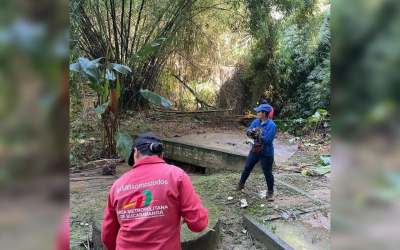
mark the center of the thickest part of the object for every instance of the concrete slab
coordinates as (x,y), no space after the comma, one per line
(324,194)
(217,150)
(301,191)
(295,213)
(318,219)
(268,238)
(203,156)
(236,143)
(208,239)
(296,235)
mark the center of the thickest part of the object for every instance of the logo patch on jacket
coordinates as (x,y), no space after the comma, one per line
(140,205)
(138,199)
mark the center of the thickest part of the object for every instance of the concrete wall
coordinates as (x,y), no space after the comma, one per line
(206,157)
(202,156)
(207,240)
(268,238)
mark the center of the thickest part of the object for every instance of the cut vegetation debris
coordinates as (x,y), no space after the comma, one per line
(323,168)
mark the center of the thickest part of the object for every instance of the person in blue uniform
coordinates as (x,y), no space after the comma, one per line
(263,131)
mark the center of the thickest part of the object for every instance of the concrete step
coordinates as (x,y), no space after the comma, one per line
(261,233)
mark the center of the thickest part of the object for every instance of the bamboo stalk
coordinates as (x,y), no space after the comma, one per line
(155,25)
(122,30)
(108,20)
(137,24)
(129,29)
(113,16)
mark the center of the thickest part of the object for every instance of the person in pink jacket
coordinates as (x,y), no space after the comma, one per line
(271,114)
(145,205)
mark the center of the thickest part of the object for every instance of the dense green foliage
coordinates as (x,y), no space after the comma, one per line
(305,69)
(289,64)
(189,50)
(220,54)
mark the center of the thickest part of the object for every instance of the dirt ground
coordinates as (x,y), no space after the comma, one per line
(89,190)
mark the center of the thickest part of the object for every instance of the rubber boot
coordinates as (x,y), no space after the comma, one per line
(239,187)
(270,196)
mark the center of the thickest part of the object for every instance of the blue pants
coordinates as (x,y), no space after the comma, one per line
(266,163)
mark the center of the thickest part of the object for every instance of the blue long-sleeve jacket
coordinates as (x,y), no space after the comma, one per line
(268,135)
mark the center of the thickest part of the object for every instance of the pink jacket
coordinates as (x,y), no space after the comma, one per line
(271,114)
(145,206)
(63,234)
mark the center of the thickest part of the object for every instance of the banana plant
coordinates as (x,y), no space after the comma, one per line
(104,80)
(102,77)
(317,119)
(123,139)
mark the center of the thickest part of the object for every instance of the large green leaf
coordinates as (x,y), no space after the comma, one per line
(106,91)
(124,144)
(147,49)
(96,87)
(83,60)
(315,118)
(88,69)
(155,99)
(282,125)
(101,109)
(322,170)
(94,74)
(87,64)
(110,51)
(75,67)
(317,115)
(326,159)
(322,111)
(110,75)
(317,170)
(119,68)
(118,88)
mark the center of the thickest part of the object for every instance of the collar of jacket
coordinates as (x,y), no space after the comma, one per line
(265,123)
(148,160)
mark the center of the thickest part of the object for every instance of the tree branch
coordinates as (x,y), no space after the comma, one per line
(193,93)
(203,73)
